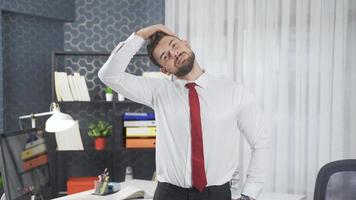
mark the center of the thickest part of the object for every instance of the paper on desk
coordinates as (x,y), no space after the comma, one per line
(147,186)
(129,192)
(69,140)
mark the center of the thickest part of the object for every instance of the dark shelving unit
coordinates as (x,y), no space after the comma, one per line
(115,145)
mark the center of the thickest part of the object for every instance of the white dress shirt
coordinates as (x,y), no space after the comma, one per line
(225,107)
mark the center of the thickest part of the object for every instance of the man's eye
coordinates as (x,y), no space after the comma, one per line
(165,57)
(174,45)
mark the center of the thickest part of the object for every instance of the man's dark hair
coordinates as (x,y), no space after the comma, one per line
(152,44)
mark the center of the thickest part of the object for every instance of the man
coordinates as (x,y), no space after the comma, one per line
(197,118)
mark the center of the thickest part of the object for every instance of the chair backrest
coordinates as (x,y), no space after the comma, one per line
(336,180)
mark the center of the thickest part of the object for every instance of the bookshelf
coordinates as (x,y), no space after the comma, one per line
(95,94)
(116,156)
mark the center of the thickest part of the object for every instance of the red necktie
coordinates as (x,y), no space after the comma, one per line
(198,169)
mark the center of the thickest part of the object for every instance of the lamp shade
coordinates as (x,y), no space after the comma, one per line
(59,122)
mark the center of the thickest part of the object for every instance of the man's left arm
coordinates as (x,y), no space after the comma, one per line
(251,123)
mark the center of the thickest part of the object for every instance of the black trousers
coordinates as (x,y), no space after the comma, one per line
(167,191)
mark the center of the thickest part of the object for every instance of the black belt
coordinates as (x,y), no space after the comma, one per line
(192,189)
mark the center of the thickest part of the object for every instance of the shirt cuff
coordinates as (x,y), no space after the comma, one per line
(135,42)
(252,190)
(235,195)
(235,189)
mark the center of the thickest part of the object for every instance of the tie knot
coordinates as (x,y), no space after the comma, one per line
(190,85)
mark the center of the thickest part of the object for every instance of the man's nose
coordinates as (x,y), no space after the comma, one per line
(173,53)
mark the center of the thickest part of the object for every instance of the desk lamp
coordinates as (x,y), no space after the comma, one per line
(56,123)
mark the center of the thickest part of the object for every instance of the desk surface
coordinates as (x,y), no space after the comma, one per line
(149,187)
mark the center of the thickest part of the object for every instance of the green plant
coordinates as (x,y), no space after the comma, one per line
(1,183)
(108,90)
(100,129)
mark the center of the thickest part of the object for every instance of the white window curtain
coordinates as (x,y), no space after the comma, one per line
(299,59)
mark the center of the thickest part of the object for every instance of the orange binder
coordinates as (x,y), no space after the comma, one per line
(33,163)
(140,142)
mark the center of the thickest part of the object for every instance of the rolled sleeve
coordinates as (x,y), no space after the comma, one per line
(136,88)
(251,123)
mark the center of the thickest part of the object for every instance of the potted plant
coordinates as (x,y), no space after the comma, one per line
(99,131)
(108,94)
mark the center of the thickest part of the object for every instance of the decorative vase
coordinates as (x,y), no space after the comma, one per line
(108,96)
(100,143)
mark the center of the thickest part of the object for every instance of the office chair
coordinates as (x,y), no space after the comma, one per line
(336,181)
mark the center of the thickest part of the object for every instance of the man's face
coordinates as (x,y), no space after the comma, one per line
(174,55)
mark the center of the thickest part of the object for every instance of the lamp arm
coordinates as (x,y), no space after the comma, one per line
(36,115)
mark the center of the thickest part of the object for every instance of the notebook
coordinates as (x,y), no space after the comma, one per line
(129,192)
(134,189)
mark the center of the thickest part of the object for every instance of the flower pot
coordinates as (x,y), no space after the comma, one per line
(120,97)
(108,96)
(100,143)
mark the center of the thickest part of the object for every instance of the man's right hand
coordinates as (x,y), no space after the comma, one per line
(147,32)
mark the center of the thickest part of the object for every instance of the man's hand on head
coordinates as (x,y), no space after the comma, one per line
(147,32)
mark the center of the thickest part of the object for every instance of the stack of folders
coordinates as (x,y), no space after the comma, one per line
(140,130)
(70,87)
(34,154)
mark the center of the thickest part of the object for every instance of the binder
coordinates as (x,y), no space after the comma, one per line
(34,143)
(139,123)
(32,152)
(36,162)
(138,116)
(140,142)
(141,131)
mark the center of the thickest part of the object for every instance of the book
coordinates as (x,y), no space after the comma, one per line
(76,88)
(35,162)
(135,189)
(139,123)
(128,192)
(138,116)
(57,86)
(70,139)
(72,88)
(67,93)
(80,86)
(140,131)
(140,142)
(34,143)
(32,152)
(85,89)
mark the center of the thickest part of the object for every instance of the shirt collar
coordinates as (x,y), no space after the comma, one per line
(201,81)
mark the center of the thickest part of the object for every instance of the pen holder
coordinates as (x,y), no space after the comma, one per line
(101,187)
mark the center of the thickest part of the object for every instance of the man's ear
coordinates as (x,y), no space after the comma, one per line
(186,43)
(164,71)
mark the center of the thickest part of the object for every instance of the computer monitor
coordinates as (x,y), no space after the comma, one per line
(24,164)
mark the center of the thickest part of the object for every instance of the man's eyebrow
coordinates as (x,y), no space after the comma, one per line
(170,42)
(162,55)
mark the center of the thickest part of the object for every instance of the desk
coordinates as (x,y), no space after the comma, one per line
(149,187)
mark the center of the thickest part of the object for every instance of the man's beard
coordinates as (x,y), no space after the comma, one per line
(186,67)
